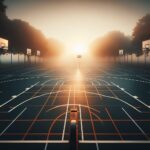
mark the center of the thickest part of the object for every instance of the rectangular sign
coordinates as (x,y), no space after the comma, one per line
(146,44)
(38,53)
(29,51)
(121,52)
(3,44)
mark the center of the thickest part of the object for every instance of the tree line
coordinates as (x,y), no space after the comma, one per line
(22,35)
(110,44)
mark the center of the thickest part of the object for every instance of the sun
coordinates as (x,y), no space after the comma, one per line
(79,49)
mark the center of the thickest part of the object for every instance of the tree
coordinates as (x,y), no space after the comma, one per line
(110,44)
(140,33)
(22,35)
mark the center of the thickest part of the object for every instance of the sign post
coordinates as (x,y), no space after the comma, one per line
(29,52)
(121,53)
(38,53)
(146,49)
(3,46)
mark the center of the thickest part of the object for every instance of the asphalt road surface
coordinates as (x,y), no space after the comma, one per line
(113,104)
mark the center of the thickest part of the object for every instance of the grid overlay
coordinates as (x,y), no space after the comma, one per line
(106,112)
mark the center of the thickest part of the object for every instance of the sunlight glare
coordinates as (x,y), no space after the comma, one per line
(78,75)
(79,49)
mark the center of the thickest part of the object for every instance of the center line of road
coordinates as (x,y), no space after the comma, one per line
(13,121)
(63,134)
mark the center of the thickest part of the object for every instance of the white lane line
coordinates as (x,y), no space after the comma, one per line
(137,99)
(18,95)
(142,81)
(143,78)
(135,123)
(116,141)
(82,133)
(63,134)
(92,83)
(28,100)
(97,146)
(107,83)
(62,83)
(32,99)
(51,80)
(33,141)
(93,93)
(80,141)
(45,147)
(13,121)
(46,82)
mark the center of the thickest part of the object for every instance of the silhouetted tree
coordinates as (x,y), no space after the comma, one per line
(140,33)
(110,44)
(22,35)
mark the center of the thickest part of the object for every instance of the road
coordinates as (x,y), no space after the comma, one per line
(113,104)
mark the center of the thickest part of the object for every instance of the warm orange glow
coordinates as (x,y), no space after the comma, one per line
(78,76)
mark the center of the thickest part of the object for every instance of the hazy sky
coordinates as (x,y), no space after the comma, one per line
(74,21)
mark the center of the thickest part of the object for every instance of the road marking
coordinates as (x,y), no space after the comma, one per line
(64,105)
(79,91)
(107,83)
(117,130)
(18,95)
(121,100)
(63,134)
(144,78)
(135,123)
(116,141)
(13,121)
(38,114)
(51,80)
(82,135)
(137,99)
(92,122)
(46,82)
(80,141)
(33,141)
(27,101)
